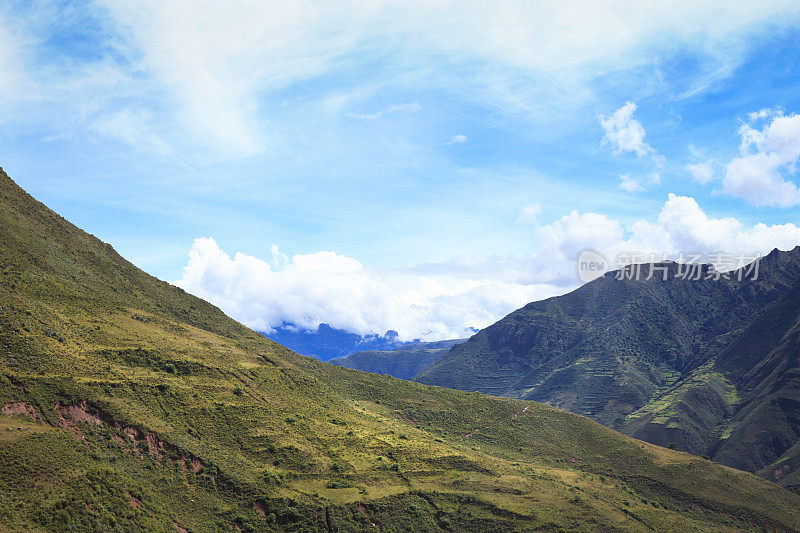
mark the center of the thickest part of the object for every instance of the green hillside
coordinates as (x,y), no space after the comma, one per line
(129,405)
(708,366)
(404,362)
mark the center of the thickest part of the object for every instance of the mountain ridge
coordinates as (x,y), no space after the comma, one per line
(670,362)
(327,343)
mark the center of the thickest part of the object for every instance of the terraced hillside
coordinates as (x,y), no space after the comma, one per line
(129,405)
(707,366)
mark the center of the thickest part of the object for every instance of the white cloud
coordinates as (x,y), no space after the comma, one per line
(768,159)
(14,81)
(457,139)
(703,172)
(761,114)
(529,214)
(629,183)
(443,300)
(683,226)
(306,290)
(217,62)
(575,232)
(214,59)
(624,133)
(135,128)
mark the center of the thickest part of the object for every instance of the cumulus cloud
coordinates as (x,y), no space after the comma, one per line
(575,232)
(624,133)
(680,230)
(306,290)
(762,173)
(682,226)
(443,300)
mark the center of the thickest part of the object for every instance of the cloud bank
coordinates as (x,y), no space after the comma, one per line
(306,290)
(443,300)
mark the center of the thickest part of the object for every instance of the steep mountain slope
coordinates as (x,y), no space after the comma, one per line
(571,351)
(706,365)
(128,405)
(404,363)
(759,426)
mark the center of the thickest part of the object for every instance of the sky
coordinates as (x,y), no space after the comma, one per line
(425,167)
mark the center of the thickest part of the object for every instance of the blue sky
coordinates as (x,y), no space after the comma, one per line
(424,167)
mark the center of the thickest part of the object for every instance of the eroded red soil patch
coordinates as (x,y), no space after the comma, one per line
(133,440)
(21,408)
(136,503)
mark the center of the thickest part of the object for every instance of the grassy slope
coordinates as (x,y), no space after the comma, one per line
(152,410)
(404,362)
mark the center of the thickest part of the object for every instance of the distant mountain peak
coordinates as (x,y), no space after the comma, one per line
(327,342)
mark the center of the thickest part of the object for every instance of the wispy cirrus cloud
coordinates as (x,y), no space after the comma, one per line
(136,128)
(412,107)
(630,183)
(216,72)
(15,81)
(223,66)
(457,139)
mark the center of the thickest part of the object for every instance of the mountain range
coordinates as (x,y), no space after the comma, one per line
(326,342)
(127,404)
(708,365)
